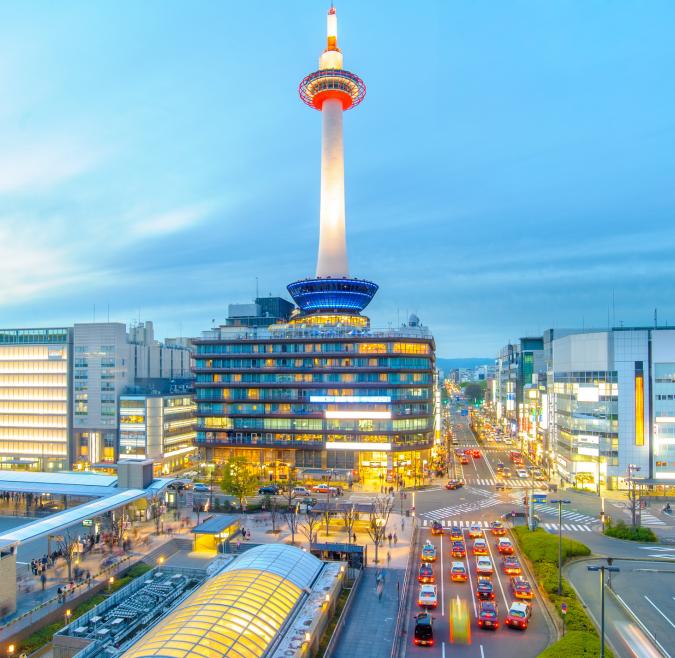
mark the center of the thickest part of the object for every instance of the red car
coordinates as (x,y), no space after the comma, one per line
(476,454)
(487,615)
(497,529)
(504,546)
(454,484)
(436,528)
(463,459)
(519,615)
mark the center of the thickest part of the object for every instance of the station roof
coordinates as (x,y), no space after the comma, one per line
(58,483)
(215,524)
(237,613)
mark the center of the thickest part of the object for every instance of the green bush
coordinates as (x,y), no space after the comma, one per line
(620,530)
(574,644)
(541,546)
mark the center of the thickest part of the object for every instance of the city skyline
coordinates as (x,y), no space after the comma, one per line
(157,163)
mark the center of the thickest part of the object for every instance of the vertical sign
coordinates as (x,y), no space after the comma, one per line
(639,404)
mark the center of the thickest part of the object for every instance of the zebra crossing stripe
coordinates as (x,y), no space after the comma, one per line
(650,519)
(569,527)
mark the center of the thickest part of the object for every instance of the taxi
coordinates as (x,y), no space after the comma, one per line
(497,529)
(428,552)
(480,547)
(454,484)
(426,574)
(436,528)
(485,590)
(487,615)
(464,459)
(427,597)
(458,549)
(475,531)
(475,454)
(504,546)
(484,566)
(511,566)
(458,573)
(521,588)
(456,533)
(519,615)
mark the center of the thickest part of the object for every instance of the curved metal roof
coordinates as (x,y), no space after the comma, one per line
(238,612)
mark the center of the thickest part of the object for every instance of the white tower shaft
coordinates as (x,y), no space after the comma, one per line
(332,260)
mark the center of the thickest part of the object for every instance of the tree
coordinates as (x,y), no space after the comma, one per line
(585,478)
(68,546)
(293,520)
(475,391)
(238,479)
(272,506)
(349,517)
(309,527)
(377,521)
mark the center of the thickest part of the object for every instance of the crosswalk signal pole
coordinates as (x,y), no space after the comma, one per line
(560,502)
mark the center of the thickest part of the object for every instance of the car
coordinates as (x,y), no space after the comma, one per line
(427,596)
(458,572)
(426,574)
(485,589)
(200,487)
(500,486)
(325,489)
(459,452)
(480,547)
(456,533)
(511,566)
(488,615)
(476,454)
(484,566)
(454,484)
(298,492)
(269,490)
(475,530)
(463,459)
(468,451)
(539,476)
(506,473)
(424,632)
(519,615)
(521,588)
(497,529)
(458,549)
(521,473)
(436,528)
(428,552)
(504,546)
(499,467)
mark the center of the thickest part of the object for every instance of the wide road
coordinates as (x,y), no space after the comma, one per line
(473,503)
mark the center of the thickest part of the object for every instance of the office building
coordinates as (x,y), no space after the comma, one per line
(321,390)
(35,398)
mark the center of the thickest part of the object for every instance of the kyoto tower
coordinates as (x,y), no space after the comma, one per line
(332,90)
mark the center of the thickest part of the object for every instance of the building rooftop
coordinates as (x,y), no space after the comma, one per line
(216,524)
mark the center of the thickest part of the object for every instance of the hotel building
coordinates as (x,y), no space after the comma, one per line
(321,391)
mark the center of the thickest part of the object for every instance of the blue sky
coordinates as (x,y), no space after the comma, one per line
(513,163)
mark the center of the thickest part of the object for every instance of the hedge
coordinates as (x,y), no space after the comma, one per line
(575,643)
(621,530)
(541,548)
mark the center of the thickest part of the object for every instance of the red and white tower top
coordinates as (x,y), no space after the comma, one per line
(332,90)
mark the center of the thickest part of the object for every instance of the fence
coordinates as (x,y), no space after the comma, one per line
(330,648)
(402,602)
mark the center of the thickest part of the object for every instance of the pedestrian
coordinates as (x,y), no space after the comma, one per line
(402,524)
(238,545)
(43,580)
(354,537)
(389,537)
(395,539)
(388,558)
(380,589)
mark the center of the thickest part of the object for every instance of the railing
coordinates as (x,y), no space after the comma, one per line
(316,332)
(330,648)
(402,603)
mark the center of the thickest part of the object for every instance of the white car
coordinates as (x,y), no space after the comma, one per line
(300,492)
(428,596)
(521,473)
(484,566)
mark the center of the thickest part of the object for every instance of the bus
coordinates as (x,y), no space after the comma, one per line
(516,457)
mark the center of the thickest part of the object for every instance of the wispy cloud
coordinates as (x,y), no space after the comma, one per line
(173,221)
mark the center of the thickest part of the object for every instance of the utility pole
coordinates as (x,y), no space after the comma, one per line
(560,502)
(602,568)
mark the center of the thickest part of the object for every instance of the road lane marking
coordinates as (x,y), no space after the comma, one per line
(443,649)
(468,570)
(496,573)
(659,611)
(482,653)
(442,582)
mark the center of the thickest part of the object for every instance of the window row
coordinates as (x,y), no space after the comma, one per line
(304,394)
(317,377)
(309,348)
(277,363)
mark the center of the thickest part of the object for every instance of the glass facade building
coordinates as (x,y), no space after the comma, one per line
(338,398)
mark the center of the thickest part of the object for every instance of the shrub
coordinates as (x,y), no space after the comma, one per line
(620,530)
(574,644)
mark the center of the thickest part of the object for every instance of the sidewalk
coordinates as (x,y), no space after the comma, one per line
(371,624)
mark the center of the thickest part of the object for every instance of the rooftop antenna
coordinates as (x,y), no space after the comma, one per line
(656,318)
(256,288)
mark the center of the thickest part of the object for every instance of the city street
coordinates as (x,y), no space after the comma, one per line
(471,504)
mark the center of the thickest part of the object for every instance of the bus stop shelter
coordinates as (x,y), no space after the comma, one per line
(210,534)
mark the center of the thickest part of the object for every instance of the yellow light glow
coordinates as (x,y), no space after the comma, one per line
(639,409)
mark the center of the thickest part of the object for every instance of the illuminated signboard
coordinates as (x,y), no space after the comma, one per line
(330,399)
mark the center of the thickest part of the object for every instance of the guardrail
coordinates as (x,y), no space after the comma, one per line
(330,648)
(402,602)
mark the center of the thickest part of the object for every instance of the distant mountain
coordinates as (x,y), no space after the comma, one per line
(450,364)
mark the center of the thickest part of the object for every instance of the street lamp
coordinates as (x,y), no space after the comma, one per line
(160,560)
(632,468)
(67,616)
(602,568)
(111,580)
(10,650)
(560,502)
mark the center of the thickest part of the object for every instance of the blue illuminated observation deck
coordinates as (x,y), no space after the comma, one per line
(332,295)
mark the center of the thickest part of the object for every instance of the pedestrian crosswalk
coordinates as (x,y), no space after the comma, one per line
(649,519)
(490,482)
(568,515)
(458,523)
(568,527)
(464,508)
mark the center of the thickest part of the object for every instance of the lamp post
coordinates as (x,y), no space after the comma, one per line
(602,568)
(560,502)
(632,469)
(111,580)
(67,616)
